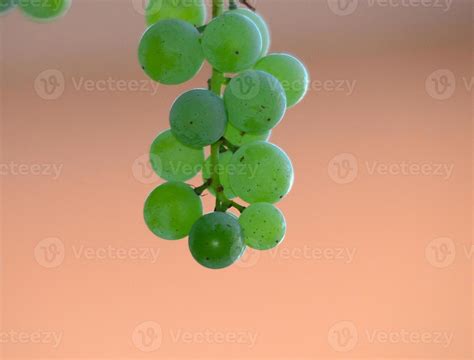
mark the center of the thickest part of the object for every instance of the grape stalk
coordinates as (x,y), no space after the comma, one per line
(247,96)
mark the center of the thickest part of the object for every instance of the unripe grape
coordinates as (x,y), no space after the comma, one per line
(170,51)
(198,118)
(174,161)
(171,210)
(263,226)
(44,10)
(261,25)
(232,43)
(265,173)
(238,137)
(193,11)
(291,73)
(224,172)
(255,101)
(216,240)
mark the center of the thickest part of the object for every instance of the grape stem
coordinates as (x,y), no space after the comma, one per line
(246,3)
(200,189)
(232,5)
(215,85)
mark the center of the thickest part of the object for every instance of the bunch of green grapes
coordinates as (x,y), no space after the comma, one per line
(38,10)
(247,97)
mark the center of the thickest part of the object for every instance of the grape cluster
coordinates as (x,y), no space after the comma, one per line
(38,10)
(236,124)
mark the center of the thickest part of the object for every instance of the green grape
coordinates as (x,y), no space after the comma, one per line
(171,210)
(216,240)
(174,161)
(232,43)
(238,138)
(291,73)
(261,25)
(44,10)
(6,5)
(198,118)
(255,101)
(264,173)
(224,171)
(193,11)
(170,52)
(263,226)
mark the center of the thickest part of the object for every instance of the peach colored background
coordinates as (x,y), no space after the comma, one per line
(361,257)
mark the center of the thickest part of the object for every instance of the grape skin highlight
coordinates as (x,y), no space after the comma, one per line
(194,11)
(263,226)
(170,51)
(255,101)
(171,210)
(44,10)
(231,43)
(291,73)
(261,25)
(198,118)
(216,240)
(238,138)
(174,161)
(224,172)
(265,173)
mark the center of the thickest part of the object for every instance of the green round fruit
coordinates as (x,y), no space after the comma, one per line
(174,161)
(291,73)
(6,5)
(170,52)
(265,173)
(171,210)
(263,226)
(44,10)
(224,171)
(238,137)
(198,118)
(194,11)
(216,240)
(255,101)
(232,43)
(261,25)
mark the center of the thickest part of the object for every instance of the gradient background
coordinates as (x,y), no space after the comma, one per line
(410,235)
